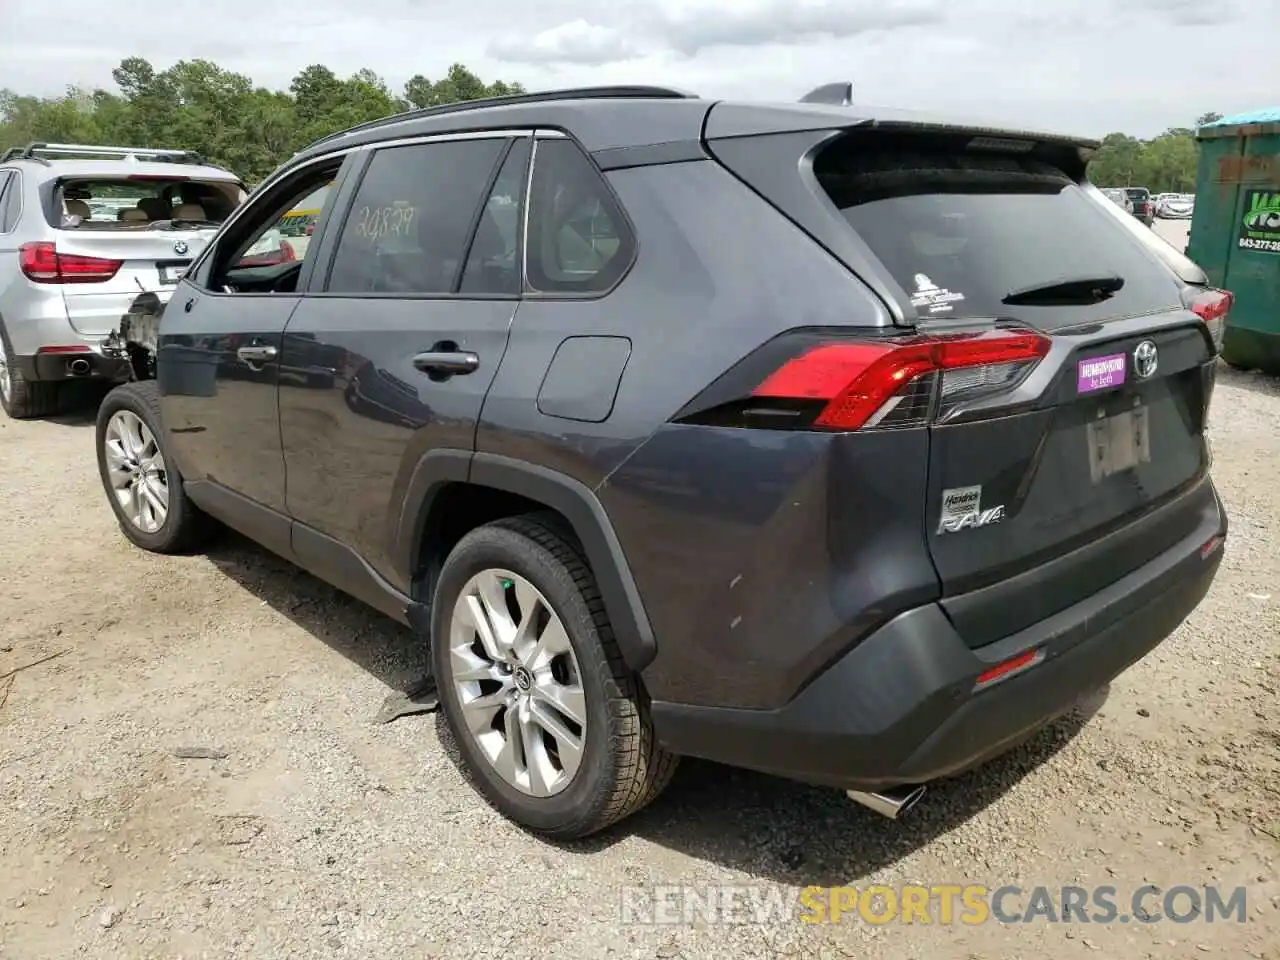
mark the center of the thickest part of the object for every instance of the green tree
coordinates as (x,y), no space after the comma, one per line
(1164,164)
(198,105)
(457,85)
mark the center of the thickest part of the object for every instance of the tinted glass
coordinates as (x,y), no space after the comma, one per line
(409,224)
(578,238)
(959,231)
(493,263)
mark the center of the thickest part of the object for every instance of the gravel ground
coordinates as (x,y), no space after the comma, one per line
(321,833)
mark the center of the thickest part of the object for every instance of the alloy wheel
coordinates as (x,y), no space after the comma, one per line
(518,682)
(136,470)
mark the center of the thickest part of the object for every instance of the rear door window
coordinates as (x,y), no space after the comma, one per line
(411,218)
(961,231)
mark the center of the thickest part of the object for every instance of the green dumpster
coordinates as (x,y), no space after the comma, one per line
(1235,230)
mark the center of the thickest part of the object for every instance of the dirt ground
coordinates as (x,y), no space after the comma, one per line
(322,833)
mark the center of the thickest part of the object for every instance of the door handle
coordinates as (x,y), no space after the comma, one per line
(257,354)
(447,363)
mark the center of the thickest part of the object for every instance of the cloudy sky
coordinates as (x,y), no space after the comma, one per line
(1085,66)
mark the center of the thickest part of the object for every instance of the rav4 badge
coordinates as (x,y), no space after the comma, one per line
(962,510)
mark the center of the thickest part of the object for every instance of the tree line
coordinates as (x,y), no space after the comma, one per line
(197,105)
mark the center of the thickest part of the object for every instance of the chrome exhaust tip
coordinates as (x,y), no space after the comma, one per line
(888,803)
(79,367)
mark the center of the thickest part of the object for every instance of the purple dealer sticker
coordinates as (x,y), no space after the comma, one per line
(1100,373)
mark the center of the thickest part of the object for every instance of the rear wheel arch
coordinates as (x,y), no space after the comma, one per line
(452,492)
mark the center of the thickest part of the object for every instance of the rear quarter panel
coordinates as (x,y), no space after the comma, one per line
(744,545)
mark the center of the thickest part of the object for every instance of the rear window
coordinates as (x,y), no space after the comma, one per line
(960,231)
(134,203)
(1137,193)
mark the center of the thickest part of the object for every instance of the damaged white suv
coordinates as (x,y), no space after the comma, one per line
(84,231)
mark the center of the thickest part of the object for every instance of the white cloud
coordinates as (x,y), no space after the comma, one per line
(1087,66)
(690,26)
(574,42)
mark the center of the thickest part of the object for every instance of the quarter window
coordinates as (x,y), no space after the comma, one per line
(579,241)
(10,200)
(413,213)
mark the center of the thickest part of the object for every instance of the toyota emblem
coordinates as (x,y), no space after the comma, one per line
(180,247)
(1146,359)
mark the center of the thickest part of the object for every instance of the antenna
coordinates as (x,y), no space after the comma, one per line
(838,94)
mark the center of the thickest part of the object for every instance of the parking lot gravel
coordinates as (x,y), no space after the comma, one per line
(190,766)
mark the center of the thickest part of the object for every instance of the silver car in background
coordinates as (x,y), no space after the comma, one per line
(1119,197)
(84,230)
(1176,206)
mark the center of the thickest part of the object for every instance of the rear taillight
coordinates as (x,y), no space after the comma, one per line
(42,263)
(286,252)
(862,384)
(1212,307)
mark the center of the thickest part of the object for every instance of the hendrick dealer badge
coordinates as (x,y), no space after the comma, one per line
(962,510)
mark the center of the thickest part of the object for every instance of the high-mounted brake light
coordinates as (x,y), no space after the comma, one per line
(860,383)
(1212,307)
(42,263)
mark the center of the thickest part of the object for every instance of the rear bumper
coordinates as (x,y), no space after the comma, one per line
(67,366)
(901,707)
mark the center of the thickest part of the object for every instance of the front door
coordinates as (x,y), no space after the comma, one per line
(218,366)
(394,347)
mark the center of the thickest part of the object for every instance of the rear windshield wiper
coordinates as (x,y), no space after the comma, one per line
(1067,290)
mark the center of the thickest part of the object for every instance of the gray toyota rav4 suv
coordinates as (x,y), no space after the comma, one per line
(846,445)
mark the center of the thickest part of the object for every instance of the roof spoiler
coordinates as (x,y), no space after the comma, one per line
(837,94)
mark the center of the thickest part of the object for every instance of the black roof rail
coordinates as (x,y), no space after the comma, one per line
(636,92)
(839,94)
(40,153)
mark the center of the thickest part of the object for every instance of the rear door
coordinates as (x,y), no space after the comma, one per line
(1103,430)
(393,350)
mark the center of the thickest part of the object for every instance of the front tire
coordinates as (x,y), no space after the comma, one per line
(552,727)
(138,474)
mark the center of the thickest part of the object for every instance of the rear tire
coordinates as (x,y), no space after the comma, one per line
(24,399)
(620,766)
(139,476)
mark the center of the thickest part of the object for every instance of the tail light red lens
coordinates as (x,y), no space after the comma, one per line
(860,383)
(1212,307)
(808,380)
(42,263)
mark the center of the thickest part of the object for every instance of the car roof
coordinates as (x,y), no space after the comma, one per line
(110,169)
(610,118)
